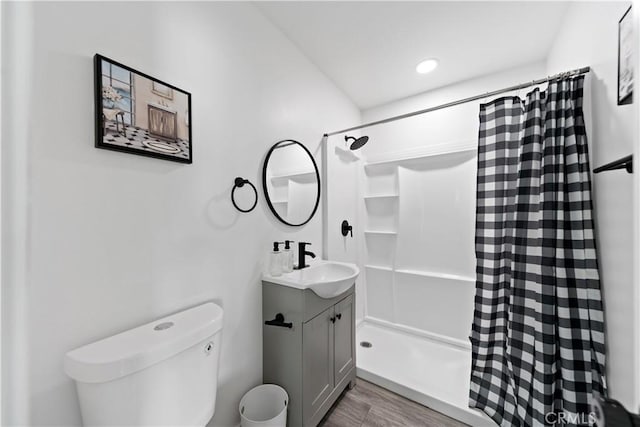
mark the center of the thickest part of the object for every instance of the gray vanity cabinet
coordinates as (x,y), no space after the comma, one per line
(344,338)
(317,361)
(314,360)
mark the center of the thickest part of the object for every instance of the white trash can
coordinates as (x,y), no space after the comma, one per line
(264,406)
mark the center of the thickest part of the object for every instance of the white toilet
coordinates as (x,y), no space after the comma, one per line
(162,373)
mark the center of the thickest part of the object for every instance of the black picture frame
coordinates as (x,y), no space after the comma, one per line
(625,59)
(265,187)
(131,117)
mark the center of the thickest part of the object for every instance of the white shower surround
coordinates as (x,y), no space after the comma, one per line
(417,212)
(415,236)
(418,239)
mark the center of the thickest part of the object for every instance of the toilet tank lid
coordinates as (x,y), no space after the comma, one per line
(144,346)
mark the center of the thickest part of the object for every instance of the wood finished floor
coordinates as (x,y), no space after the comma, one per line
(368,405)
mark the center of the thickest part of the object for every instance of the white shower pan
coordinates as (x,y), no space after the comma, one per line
(432,373)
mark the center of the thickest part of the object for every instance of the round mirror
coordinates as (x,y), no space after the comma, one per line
(291,182)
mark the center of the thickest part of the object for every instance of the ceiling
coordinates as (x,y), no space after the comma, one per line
(370,49)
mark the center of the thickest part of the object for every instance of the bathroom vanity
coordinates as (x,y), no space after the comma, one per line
(308,347)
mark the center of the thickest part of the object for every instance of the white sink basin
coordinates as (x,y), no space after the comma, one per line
(326,278)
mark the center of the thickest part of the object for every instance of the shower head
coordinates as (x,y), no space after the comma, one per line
(357,142)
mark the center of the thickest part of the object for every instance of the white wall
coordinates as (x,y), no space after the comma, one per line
(96,242)
(1,219)
(636,209)
(435,211)
(16,40)
(589,37)
(447,126)
(341,194)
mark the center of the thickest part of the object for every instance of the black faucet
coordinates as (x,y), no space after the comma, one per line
(302,252)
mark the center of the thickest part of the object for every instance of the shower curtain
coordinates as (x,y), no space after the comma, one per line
(538,331)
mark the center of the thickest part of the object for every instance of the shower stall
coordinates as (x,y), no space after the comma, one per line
(413,206)
(417,225)
(413,228)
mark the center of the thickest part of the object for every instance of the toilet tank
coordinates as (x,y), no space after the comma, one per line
(161,373)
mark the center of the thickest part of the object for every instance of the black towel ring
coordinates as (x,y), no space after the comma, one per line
(239,183)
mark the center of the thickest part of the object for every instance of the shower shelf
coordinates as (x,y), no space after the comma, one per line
(434,274)
(379,267)
(381,232)
(422,156)
(382,196)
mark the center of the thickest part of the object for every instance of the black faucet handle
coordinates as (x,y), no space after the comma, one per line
(345,228)
(302,252)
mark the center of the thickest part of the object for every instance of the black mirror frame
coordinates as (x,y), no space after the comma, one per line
(266,191)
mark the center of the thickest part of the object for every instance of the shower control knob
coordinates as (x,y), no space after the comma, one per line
(345,228)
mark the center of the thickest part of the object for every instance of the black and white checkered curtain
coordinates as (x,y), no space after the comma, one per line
(538,333)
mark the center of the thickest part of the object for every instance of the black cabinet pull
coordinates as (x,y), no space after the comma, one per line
(279,321)
(339,316)
(333,319)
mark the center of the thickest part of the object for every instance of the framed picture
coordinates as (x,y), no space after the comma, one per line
(625,59)
(139,114)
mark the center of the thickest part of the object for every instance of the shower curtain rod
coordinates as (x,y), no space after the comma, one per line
(565,74)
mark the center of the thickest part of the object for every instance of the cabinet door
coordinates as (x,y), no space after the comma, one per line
(317,343)
(344,349)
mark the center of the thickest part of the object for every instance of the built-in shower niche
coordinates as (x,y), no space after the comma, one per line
(381,214)
(380,179)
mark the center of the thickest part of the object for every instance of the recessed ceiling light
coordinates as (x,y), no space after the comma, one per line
(427,66)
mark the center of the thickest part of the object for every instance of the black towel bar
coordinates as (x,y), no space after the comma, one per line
(623,163)
(279,321)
